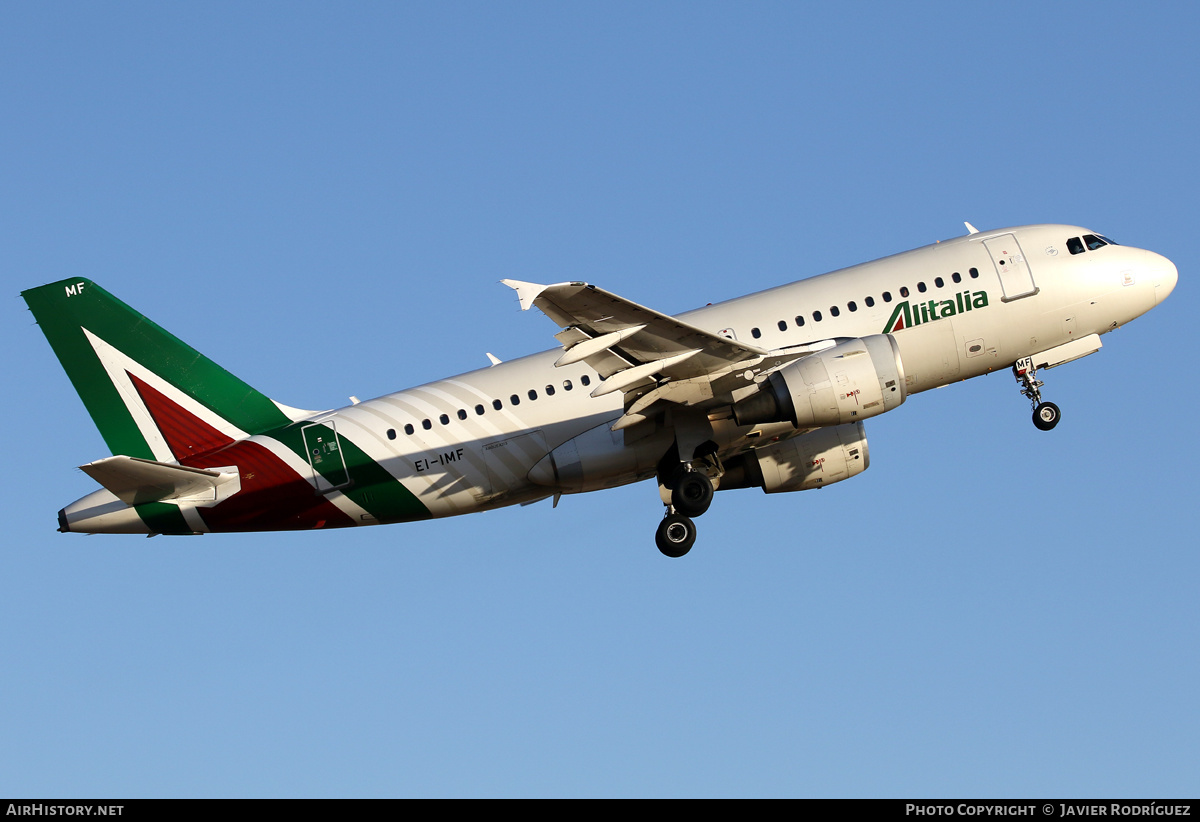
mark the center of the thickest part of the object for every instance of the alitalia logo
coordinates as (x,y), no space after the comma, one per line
(907,315)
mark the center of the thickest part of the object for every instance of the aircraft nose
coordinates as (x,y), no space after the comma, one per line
(1166,276)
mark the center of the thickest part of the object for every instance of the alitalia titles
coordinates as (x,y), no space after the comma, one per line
(906,315)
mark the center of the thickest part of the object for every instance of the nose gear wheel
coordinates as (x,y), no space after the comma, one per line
(1046,416)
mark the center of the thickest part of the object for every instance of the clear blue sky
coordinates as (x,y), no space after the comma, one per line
(322,198)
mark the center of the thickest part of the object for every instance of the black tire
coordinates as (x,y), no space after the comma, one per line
(692,494)
(1046,416)
(676,535)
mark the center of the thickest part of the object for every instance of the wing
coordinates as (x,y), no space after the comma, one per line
(650,356)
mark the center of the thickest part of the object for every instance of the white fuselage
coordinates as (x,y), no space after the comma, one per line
(469,442)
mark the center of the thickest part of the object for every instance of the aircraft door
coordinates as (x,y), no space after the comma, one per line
(325,455)
(1016,279)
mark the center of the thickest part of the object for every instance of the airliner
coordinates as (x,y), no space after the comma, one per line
(769,390)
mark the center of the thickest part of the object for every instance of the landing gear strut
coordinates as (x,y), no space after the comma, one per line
(1045,414)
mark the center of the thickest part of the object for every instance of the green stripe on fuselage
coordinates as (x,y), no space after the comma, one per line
(371,486)
(163,518)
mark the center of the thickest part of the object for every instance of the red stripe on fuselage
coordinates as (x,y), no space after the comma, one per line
(273,496)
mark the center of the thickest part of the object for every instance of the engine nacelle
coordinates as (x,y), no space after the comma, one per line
(811,460)
(849,382)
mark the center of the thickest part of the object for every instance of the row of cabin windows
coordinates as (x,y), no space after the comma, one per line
(480,409)
(852,306)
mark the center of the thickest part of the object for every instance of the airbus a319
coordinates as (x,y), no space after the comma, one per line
(769,390)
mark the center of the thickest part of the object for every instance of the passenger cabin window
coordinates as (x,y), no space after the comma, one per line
(853,306)
(939,282)
(887,296)
(426,424)
(755,333)
(549,390)
(974,273)
(497,404)
(532,394)
(816,316)
(444,419)
(921,287)
(903,291)
(514,399)
(1075,246)
(799,321)
(870,301)
(391,433)
(783,325)
(479,410)
(834,311)
(585,380)
(462,413)
(567,385)
(956,277)
(408,429)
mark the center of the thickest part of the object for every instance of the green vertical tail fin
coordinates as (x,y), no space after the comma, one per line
(150,394)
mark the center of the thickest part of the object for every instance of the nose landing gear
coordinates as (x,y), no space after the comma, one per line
(1045,414)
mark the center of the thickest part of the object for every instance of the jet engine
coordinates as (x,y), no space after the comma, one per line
(811,460)
(849,382)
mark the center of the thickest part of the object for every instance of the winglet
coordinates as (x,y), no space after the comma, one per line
(970,228)
(526,292)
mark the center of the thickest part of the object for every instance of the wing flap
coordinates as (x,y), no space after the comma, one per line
(613,334)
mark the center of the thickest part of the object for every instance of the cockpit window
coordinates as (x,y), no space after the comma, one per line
(1107,240)
(1075,246)
(1094,242)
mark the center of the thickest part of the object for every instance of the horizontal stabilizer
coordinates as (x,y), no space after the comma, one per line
(135,481)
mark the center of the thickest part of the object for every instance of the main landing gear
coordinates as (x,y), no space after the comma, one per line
(691,494)
(676,534)
(1045,414)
